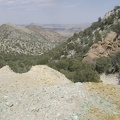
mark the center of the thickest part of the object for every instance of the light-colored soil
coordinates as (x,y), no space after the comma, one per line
(35,77)
(45,94)
(109,79)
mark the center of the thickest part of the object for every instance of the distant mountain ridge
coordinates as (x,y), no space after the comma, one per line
(31,39)
(48,35)
(66,30)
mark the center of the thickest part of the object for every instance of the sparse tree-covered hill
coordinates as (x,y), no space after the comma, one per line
(80,42)
(48,35)
(16,39)
(67,57)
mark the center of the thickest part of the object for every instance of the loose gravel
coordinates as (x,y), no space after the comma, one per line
(56,101)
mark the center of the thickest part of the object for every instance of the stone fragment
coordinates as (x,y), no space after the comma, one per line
(9,104)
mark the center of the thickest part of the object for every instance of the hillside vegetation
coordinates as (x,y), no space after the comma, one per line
(29,40)
(67,57)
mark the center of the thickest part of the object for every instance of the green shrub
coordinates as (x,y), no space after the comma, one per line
(116,28)
(43,60)
(70,46)
(69,75)
(2,63)
(86,75)
(103,65)
(119,78)
(62,64)
(74,64)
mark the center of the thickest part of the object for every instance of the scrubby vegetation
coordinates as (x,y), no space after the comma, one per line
(73,68)
(67,57)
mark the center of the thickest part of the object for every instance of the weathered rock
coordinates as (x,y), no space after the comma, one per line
(107,46)
(119,37)
(95,45)
(90,56)
(9,104)
(111,37)
(100,49)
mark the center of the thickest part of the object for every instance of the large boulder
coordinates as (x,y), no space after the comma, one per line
(111,37)
(109,45)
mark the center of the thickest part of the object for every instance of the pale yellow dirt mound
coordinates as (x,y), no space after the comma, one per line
(5,69)
(38,75)
(47,75)
(42,94)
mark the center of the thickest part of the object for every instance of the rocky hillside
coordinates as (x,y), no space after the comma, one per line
(46,94)
(79,43)
(108,46)
(67,57)
(29,40)
(98,38)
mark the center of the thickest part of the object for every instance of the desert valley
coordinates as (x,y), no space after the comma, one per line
(61,71)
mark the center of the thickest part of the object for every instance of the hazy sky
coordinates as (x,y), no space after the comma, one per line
(54,11)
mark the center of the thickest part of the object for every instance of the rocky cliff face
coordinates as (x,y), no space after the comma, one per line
(104,48)
(16,39)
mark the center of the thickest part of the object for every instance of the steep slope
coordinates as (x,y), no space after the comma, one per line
(17,39)
(80,42)
(67,58)
(108,46)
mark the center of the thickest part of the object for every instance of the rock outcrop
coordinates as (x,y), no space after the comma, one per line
(108,46)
